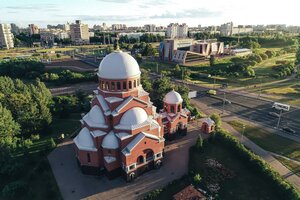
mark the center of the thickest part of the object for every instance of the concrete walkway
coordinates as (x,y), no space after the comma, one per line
(266,155)
(74,185)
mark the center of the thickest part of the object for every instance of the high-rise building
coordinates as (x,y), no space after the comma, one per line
(79,33)
(6,36)
(226,29)
(150,27)
(14,28)
(177,30)
(33,29)
(118,27)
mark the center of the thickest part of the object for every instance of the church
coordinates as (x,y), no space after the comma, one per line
(122,134)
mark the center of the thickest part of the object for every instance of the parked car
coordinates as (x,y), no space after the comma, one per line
(288,130)
(226,101)
(274,114)
(212,92)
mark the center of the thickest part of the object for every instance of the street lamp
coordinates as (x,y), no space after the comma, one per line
(243,131)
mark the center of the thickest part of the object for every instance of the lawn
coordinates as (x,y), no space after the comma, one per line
(36,171)
(269,141)
(245,184)
(294,167)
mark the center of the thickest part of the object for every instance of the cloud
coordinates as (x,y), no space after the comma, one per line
(190,13)
(39,7)
(114,18)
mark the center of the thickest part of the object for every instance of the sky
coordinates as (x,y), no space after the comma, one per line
(159,12)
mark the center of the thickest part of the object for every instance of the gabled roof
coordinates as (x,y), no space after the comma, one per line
(126,102)
(84,141)
(95,118)
(113,99)
(123,135)
(103,104)
(127,150)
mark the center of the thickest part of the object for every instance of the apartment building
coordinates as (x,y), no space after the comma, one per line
(6,36)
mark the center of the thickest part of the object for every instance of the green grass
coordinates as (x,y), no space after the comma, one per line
(294,167)
(269,141)
(246,184)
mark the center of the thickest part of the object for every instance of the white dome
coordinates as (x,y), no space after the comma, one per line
(96,115)
(173,98)
(134,116)
(110,141)
(84,140)
(118,65)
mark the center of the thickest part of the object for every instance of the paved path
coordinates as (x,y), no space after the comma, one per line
(266,155)
(74,185)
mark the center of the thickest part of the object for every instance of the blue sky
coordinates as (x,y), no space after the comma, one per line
(140,12)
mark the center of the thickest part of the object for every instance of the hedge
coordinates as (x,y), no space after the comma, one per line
(284,189)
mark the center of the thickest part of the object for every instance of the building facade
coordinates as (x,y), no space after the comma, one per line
(150,27)
(122,134)
(177,30)
(33,29)
(79,33)
(6,36)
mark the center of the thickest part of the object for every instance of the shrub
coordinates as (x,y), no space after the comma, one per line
(217,119)
(263,56)
(27,143)
(14,189)
(197,179)
(199,142)
(35,137)
(270,53)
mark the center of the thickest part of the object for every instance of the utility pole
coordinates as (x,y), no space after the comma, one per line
(243,131)
(157,68)
(279,119)
(182,74)
(224,98)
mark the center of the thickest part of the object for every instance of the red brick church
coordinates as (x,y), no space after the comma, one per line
(122,134)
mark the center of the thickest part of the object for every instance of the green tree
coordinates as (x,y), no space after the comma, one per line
(217,119)
(9,129)
(212,60)
(298,56)
(199,142)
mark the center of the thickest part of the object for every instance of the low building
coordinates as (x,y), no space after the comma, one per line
(6,36)
(239,52)
(188,50)
(208,126)
(47,37)
(33,29)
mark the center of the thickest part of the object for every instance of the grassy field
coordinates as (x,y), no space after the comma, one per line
(36,170)
(290,165)
(269,141)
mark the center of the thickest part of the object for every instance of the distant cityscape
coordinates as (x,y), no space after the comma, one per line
(80,33)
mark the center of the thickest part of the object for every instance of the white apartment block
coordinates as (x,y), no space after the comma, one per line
(228,29)
(117,27)
(79,33)
(177,31)
(6,36)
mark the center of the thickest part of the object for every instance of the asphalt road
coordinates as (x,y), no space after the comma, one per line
(254,109)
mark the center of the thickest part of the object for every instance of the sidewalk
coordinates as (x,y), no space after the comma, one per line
(266,155)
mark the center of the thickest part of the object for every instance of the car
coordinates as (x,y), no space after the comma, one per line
(274,114)
(226,101)
(289,130)
(212,92)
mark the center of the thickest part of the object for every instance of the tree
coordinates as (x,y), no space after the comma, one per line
(298,56)
(212,60)
(9,129)
(199,142)
(217,119)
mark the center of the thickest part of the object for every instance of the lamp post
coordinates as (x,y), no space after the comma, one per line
(279,119)
(243,131)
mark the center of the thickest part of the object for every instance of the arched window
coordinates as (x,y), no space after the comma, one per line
(129,85)
(172,109)
(107,86)
(113,86)
(118,86)
(178,108)
(140,160)
(134,83)
(149,155)
(138,82)
(88,157)
(124,85)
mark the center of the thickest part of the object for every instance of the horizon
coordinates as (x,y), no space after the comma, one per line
(54,12)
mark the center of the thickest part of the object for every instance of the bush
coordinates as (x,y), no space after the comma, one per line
(263,56)
(14,189)
(270,53)
(27,143)
(197,179)
(35,137)
(199,142)
(217,119)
